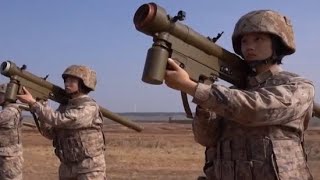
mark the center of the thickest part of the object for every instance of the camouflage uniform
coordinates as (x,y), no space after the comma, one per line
(11,158)
(256,133)
(76,131)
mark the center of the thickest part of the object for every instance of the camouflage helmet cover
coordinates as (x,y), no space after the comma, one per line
(265,21)
(3,88)
(87,75)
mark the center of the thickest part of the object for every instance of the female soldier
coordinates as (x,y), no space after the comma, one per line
(75,127)
(256,132)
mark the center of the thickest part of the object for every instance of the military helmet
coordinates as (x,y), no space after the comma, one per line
(3,88)
(87,75)
(265,21)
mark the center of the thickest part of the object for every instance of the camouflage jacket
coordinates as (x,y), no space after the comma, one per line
(257,131)
(71,115)
(76,129)
(10,130)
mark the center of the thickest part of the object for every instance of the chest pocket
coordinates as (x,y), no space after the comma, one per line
(76,145)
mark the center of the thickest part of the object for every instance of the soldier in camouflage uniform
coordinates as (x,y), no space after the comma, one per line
(75,127)
(11,158)
(256,132)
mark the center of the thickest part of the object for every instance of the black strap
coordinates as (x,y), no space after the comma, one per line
(186,105)
(36,121)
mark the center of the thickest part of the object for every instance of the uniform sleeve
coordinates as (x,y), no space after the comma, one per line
(272,105)
(9,115)
(206,127)
(72,118)
(46,130)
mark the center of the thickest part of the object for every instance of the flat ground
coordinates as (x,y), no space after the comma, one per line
(162,151)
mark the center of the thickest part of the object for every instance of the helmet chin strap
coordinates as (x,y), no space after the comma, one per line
(256,63)
(74,94)
(270,60)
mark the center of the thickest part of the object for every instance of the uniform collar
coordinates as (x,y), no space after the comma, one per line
(262,77)
(79,97)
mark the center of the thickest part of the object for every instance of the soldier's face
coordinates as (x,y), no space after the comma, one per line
(256,46)
(71,84)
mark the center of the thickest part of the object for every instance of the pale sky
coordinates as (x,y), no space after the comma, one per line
(48,36)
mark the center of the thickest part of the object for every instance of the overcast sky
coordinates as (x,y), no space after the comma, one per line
(48,36)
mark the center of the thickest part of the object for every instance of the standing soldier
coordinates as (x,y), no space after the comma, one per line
(256,132)
(75,127)
(11,158)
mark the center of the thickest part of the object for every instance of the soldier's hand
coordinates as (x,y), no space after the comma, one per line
(26,97)
(177,78)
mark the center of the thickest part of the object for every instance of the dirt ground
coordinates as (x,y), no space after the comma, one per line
(162,151)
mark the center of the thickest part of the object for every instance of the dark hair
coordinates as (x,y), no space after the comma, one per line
(278,47)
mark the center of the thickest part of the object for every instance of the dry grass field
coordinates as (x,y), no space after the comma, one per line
(162,151)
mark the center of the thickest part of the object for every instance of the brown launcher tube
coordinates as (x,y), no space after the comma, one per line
(120,119)
(151,18)
(9,69)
